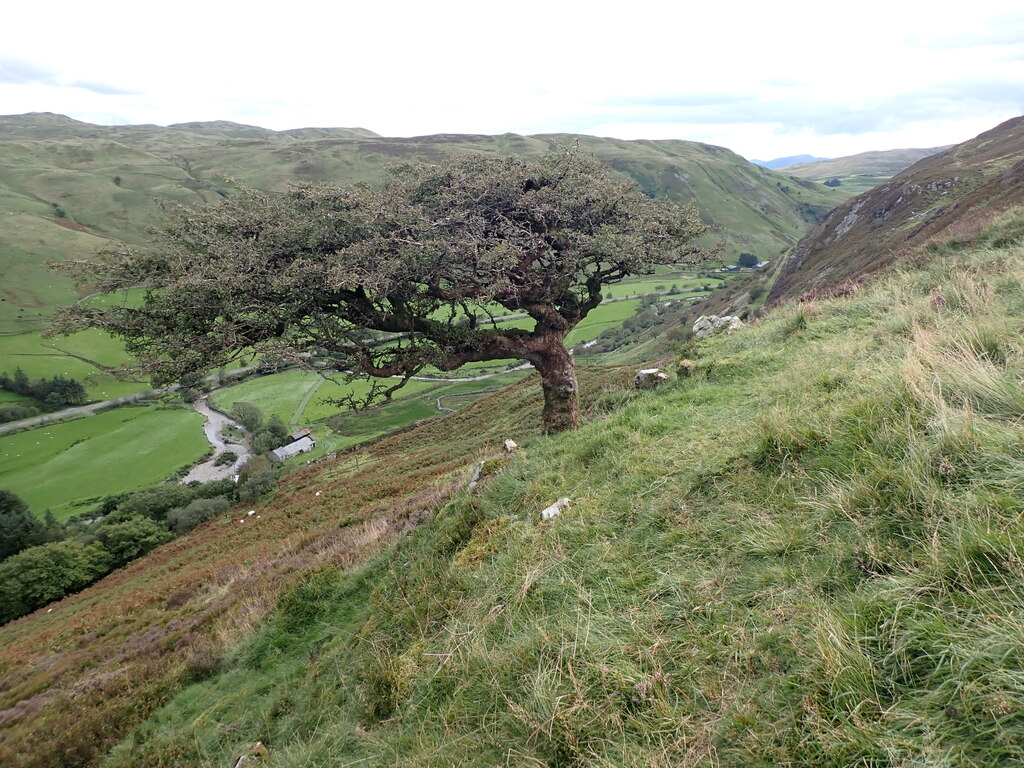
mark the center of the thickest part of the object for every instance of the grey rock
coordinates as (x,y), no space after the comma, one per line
(476,475)
(649,378)
(706,325)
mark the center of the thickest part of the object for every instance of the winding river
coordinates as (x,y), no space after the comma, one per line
(214,426)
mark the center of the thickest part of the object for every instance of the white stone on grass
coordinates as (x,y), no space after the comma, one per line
(476,475)
(555,509)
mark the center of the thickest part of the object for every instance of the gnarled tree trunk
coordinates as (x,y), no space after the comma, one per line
(558,380)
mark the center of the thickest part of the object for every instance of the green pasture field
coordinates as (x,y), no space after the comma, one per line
(280,394)
(275,395)
(130,298)
(9,398)
(602,317)
(93,344)
(317,409)
(478,368)
(611,312)
(81,356)
(652,284)
(64,467)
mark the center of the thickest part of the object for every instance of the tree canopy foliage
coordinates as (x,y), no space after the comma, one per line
(18,526)
(396,278)
(55,393)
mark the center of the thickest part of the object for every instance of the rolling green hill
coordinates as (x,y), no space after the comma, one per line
(67,187)
(803,551)
(859,173)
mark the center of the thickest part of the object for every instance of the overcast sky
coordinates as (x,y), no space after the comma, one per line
(764,79)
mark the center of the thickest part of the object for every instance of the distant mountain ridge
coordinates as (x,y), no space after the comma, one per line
(878,161)
(784,162)
(40,125)
(943,194)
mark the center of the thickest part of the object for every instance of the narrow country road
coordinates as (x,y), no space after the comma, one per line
(91,408)
(81,410)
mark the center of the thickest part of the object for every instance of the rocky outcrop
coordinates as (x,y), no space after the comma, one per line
(709,324)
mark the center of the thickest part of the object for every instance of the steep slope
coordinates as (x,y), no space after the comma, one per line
(806,552)
(68,186)
(859,173)
(78,675)
(953,191)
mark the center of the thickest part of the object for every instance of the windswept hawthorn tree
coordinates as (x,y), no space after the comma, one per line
(396,278)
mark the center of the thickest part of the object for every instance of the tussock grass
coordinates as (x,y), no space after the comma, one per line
(810,552)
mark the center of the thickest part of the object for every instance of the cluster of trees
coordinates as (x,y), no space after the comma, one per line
(17,412)
(54,394)
(264,436)
(43,560)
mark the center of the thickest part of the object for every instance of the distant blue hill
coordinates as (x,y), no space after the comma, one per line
(782,162)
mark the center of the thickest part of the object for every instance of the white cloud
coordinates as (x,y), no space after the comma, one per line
(764,80)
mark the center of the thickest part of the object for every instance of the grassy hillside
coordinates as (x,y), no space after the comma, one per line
(65,198)
(70,187)
(806,552)
(859,173)
(146,630)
